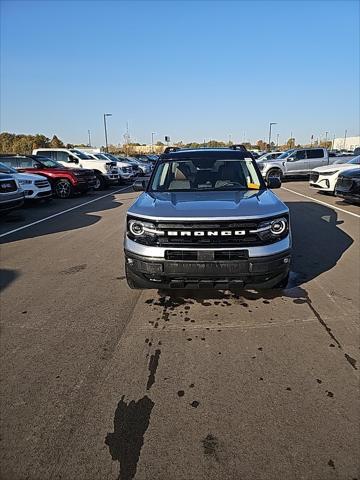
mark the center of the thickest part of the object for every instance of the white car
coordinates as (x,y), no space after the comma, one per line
(325,178)
(35,187)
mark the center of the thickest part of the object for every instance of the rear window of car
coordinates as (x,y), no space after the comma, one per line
(315,153)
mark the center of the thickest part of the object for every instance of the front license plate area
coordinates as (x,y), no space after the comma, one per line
(202,269)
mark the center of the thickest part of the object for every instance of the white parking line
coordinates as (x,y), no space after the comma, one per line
(62,212)
(322,203)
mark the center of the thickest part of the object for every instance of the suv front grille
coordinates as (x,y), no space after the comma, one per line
(220,255)
(8,186)
(188,234)
(314,177)
(344,183)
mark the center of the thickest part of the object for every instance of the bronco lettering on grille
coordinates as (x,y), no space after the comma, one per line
(209,233)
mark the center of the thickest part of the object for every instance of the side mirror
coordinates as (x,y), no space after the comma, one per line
(274,182)
(140,185)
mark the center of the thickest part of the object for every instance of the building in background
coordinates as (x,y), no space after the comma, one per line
(348,143)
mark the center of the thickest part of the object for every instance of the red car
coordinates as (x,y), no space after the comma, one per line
(64,181)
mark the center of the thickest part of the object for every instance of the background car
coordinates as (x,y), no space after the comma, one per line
(268,156)
(35,187)
(65,182)
(348,185)
(11,194)
(325,178)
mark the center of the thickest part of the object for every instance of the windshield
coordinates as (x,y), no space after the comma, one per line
(286,154)
(47,162)
(79,154)
(194,175)
(101,156)
(355,161)
(6,169)
(111,157)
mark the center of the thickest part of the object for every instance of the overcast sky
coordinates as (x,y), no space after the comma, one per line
(191,70)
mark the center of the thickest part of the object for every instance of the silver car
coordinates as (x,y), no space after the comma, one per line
(207,219)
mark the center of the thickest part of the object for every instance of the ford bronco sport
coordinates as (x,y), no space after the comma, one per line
(207,219)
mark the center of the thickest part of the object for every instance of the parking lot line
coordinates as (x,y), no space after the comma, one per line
(62,212)
(322,203)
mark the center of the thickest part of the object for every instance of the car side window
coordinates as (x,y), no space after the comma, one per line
(25,163)
(298,155)
(315,153)
(61,156)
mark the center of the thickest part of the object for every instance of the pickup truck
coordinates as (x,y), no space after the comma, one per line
(106,171)
(207,219)
(295,162)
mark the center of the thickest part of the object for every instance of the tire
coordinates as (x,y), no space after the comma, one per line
(100,183)
(63,188)
(274,172)
(283,282)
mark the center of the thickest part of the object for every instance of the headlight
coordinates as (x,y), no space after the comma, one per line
(138,228)
(325,174)
(278,226)
(273,229)
(25,182)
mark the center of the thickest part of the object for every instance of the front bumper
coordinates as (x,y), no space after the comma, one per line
(111,177)
(264,270)
(13,201)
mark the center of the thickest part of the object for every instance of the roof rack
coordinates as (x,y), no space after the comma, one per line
(238,147)
(171,149)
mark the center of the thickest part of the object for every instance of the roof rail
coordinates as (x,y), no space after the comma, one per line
(238,147)
(171,149)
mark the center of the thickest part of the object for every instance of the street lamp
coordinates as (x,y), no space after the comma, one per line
(270,125)
(277,140)
(89,133)
(106,139)
(152,141)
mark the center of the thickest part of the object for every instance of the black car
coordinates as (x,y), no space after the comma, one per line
(348,185)
(11,195)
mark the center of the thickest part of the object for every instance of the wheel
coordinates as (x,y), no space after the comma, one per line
(99,182)
(63,188)
(283,282)
(275,172)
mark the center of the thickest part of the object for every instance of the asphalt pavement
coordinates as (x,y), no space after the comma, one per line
(100,382)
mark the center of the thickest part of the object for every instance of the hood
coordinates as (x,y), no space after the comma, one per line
(352,173)
(208,205)
(29,176)
(333,167)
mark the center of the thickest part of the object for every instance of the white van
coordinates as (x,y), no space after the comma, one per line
(105,170)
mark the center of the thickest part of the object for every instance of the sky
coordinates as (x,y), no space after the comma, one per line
(193,70)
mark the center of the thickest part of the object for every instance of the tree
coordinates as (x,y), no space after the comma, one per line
(56,143)
(290,143)
(261,145)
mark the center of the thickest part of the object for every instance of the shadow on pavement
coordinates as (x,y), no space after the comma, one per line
(7,276)
(84,216)
(318,244)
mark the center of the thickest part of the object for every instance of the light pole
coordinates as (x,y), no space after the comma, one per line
(326,134)
(345,140)
(277,140)
(270,125)
(105,129)
(152,141)
(89,138)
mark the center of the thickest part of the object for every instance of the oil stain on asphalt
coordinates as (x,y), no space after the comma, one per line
(130,424)
(153,364)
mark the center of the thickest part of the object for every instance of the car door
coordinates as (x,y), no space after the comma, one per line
(316,158)
(296,163)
